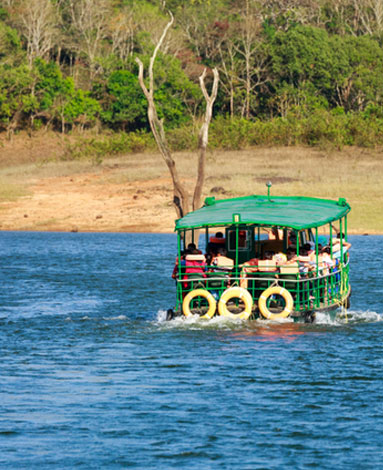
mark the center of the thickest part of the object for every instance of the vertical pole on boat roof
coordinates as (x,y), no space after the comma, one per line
(184,238)
(193,236)
(179,252)
(179,275)
(236,248)
(345,227)
(298,283)
(297,236)
(331,238)
(207,239)
(341,240)
(259,242)
(316,250)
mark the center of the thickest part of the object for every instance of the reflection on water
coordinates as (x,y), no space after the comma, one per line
(92,376)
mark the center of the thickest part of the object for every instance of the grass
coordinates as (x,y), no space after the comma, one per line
(12,191)
(353,173)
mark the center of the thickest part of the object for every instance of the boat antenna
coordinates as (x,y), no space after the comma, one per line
(269,184)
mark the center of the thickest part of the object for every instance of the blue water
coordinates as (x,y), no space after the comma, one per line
(91,376)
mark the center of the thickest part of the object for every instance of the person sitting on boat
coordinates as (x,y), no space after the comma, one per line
(221,262)
(279,258)
(223,265)
(267,264)
(336,247)
(250,266)
(326,263)
(180,263)
(215,242)
(192,247)
(195,264)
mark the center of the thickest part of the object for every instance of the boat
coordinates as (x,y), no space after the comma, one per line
(263,257)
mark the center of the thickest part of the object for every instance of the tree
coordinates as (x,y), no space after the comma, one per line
(38,19)
(248,46)
(88,27)
(15,85)
(180,195)
(121,29)
(123,104)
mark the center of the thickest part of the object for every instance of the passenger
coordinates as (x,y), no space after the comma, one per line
(267,264)
(250,266)
(221,262)
(291,238)
(280,258)
(326,263)
(219,238)
(191,247)
(336,247)
(215,242)
(177,264)
(223,265)
(195,263)
(291,257)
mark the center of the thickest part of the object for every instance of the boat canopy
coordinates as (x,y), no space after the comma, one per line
(297,213)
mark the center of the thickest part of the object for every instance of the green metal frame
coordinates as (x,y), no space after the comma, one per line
(309,293)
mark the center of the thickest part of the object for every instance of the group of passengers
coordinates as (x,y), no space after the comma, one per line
(303,263)
(194,263)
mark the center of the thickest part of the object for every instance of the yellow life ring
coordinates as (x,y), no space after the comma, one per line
(262,303)
(199,293)
(238,293)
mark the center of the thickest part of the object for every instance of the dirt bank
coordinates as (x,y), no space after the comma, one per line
(41,190)
(82,203)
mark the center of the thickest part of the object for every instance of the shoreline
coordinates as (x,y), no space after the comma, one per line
(133,193)
(53,230)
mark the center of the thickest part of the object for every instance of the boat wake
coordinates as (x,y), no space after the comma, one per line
(196,322)
(218,322)
(348,316)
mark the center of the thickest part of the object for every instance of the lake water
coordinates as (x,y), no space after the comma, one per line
(91,376)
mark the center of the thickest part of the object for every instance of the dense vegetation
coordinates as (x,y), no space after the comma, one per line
(291,71)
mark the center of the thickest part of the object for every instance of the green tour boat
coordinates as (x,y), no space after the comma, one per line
(263,257)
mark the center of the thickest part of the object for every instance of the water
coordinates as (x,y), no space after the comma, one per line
(91,376)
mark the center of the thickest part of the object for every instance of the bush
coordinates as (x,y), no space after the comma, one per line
(97,148)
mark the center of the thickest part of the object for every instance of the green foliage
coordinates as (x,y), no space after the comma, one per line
(10,45)
(15,87)
(300,55)
(124,104)
(184,137)
(314,75)
(174,91)
(97,148)
(59,96)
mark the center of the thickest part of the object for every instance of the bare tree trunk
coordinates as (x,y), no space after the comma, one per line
(204,135)
(180,195)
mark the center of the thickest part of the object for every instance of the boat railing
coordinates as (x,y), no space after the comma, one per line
(309,290)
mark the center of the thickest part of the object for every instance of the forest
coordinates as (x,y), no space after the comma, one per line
(291,71)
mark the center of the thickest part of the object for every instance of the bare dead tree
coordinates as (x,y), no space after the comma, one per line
(180,194)
(122,32)
(89,21)
(38,19)
(204,135)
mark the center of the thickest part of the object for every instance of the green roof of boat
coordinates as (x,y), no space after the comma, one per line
(294,212)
